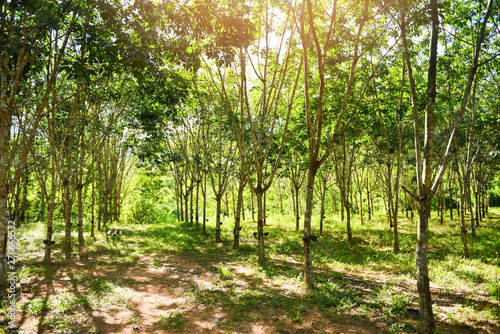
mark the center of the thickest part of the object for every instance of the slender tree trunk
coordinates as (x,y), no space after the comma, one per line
(280,194)
(81,241)
(218,198)
(372,203)
(478,213)
(485,203)
(396,188)
(361,206)
(92,200)
(470,209)
(233,202)
(186,206)
(348,222)
(260,226)
(50,212)
(79,189)
(99,192)
(226,212)
(253,209)
(41,215)
(264,207)
(239,209)
(109,211)
(334,202)
(204,193)
(342,205)
(322,211)
(177,206)
(243,208)
(425,301)
(450,190)
(297,209)
(308,266)
(294,211)
(463,226)
(191,216)
(67,217)
(181,202)
(441,203)
(197,201)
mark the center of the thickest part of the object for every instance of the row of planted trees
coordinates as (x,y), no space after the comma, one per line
(78,158)
(234,96)
(347,85)
(354,182)
(70,81)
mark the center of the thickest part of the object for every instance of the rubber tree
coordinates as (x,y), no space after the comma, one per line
(262,115)
(427,181)
(344,155)
(386,133)
(325,182)
(321,46)
(295,165)
(22,46)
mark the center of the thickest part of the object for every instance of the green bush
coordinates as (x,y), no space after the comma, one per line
(146,202)
(494,193)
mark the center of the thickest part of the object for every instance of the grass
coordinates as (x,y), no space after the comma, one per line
(172,321)
(358,282)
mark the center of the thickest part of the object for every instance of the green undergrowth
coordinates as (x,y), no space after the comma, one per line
(355,282)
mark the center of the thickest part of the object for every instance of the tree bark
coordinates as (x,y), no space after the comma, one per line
(196,208)
(239,209)
(218,199)
(428,323)
(260,226)
(308,266)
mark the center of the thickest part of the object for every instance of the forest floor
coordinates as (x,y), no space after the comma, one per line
(167,278)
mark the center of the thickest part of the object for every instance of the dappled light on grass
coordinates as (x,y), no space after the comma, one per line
(198,284)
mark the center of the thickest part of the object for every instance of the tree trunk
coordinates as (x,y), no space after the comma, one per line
(294,211)
(178,201)
(186,206)
(348,222)
(196,208)
(463,226)
(264,209)
(425,301)
(67,217)
(361,206)
(204,193)
(41,215)
(239,208)
(297,209)
(322,211)
(260,226)
(253,209)
(92,200)
(50,212)
(450,190)
(478,213)
(308,266)
(191,216)
(334,202)
(280,195)
(81,241)
(468,197)
(396,188)
(218,199)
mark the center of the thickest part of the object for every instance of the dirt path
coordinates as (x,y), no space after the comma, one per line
(158,298)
